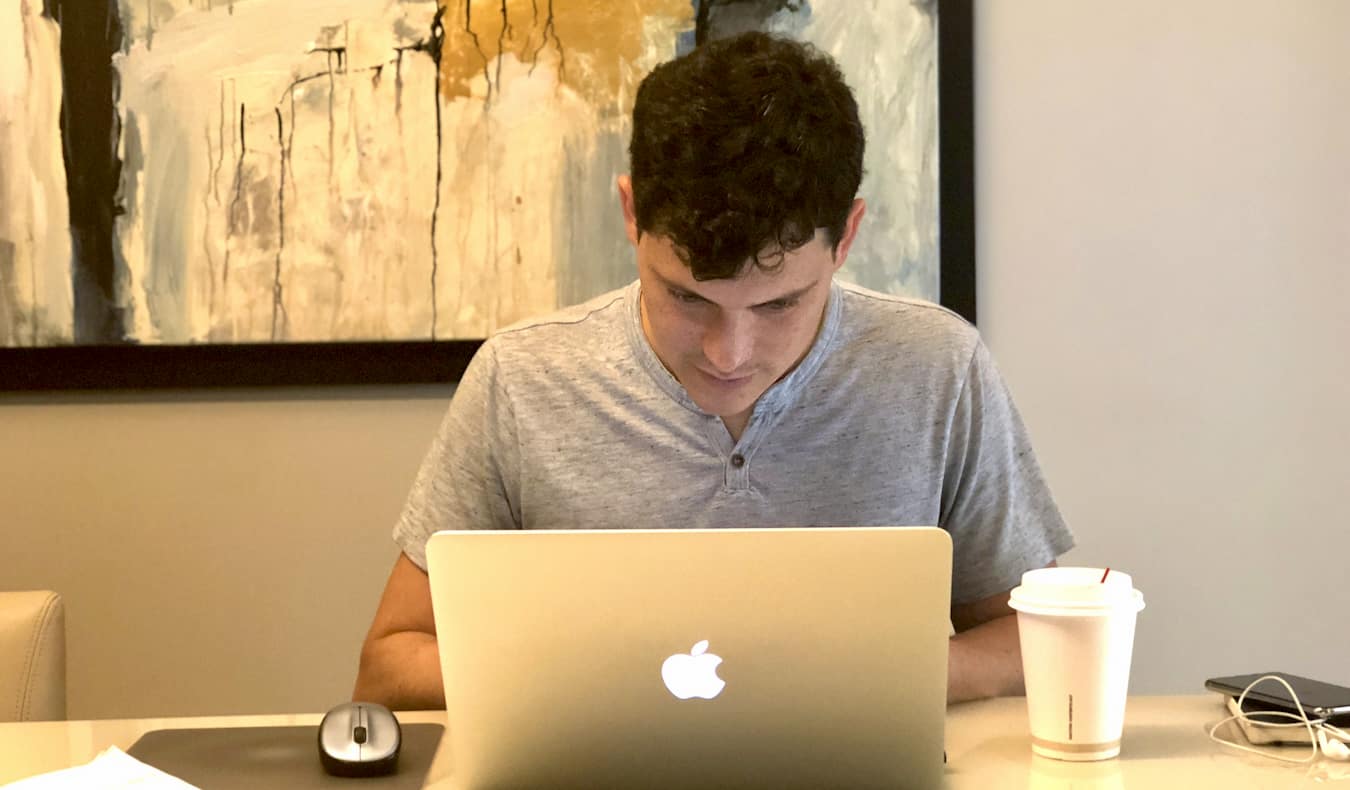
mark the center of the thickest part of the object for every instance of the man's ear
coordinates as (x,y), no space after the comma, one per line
(625,185)
(855,215)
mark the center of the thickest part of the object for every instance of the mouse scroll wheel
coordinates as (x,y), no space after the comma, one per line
(359,734)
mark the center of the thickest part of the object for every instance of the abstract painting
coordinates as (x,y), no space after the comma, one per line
(182,175)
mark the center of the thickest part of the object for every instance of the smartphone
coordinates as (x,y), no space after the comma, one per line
(1258,716)
(1320,700)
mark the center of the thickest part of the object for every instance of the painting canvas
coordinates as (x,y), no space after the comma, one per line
(188,174)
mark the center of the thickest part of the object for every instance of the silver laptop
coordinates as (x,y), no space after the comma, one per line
(777,658)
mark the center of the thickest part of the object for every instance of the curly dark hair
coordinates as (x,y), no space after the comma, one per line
(741,149)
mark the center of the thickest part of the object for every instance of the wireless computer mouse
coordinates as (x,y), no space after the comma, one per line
(359,739)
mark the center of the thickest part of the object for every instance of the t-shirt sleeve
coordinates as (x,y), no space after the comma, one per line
(995,501)
(469,476)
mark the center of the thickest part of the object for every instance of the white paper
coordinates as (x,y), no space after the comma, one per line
(112,768)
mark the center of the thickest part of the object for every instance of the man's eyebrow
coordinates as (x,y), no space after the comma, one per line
(787,297)
(674,286)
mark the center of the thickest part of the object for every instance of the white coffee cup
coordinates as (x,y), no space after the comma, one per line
(1077,636)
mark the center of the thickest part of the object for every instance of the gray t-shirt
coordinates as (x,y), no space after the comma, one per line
(897,416)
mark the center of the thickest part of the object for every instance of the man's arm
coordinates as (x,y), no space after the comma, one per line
(984,659)
(400,666)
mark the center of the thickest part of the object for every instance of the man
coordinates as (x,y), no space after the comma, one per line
(735,383)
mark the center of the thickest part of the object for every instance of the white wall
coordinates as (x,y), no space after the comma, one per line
(1164,267)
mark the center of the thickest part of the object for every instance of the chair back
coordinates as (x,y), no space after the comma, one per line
(32,656)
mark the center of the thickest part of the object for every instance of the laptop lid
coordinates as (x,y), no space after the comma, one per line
(682,658)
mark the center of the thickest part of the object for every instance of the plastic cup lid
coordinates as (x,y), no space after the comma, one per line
(1075,591)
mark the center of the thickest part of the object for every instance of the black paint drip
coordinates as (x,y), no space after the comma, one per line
(278,308)
(434,48)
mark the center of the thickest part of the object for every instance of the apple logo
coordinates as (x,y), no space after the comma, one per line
(693,674)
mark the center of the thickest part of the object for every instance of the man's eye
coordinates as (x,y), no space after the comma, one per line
(780,305)
(686,297)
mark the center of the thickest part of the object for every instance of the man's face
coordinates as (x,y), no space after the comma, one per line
(727,341)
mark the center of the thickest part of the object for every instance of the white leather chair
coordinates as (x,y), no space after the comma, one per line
(32,656)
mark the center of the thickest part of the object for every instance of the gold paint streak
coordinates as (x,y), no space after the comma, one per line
(600,40)
(460,61)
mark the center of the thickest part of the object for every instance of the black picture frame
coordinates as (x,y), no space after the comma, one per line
(250,365)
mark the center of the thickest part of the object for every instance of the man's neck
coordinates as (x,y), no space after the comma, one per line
(736,424)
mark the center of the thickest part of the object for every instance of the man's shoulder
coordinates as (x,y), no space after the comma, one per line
(592,324)
(872,317)
(607,307)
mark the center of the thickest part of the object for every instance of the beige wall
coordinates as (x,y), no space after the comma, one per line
(1164,214)
(219,553)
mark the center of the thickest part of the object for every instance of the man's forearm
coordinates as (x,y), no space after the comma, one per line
(985,661)
(401,671)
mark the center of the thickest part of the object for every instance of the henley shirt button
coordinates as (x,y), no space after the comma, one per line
(738,460)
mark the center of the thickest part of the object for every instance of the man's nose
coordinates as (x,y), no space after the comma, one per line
(727,345)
